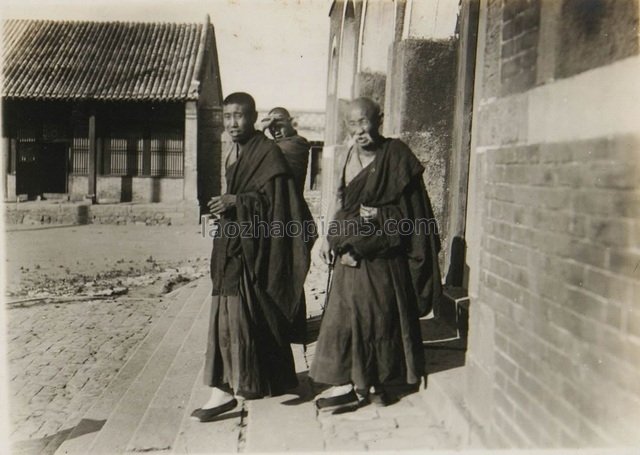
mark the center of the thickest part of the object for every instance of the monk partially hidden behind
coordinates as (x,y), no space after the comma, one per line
(257,277)
(294,147)
(384,243)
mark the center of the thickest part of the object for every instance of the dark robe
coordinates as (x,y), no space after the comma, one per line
(257,278)
(296,151)
(370,331)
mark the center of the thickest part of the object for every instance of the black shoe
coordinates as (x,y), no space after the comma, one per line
(379,398)
(207,415)
(333,403)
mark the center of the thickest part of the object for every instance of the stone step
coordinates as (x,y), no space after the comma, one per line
(132,398)
(220,436)
(123,421)
(285,423)
(162,420)
(83,433)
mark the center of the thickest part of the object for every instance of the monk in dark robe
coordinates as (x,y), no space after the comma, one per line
(295,147)
(296,151)
(383,241)
(256,272)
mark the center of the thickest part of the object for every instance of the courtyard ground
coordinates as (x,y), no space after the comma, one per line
(82,303)
(67,333)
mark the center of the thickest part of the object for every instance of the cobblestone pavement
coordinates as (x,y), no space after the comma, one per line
(404,425)
(61,357)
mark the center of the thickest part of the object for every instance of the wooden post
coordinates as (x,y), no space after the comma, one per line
(6,153)
(190,185)
(93,161)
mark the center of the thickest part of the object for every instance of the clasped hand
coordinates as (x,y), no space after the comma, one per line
(368,213)
(220,204)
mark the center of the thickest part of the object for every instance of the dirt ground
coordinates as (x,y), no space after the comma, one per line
(91,259)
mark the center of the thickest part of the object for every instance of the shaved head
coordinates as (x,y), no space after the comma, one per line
(280,123)
(369,107)
(280,112)
(363,121)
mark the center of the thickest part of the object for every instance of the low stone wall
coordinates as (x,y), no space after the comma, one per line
(35,213)
(41,213)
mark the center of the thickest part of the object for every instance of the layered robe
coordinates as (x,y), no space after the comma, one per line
(296,151)
(370,331)
(257,276)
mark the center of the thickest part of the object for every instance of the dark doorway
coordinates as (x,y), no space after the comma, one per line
(41,168)
(54,168)
(28,170)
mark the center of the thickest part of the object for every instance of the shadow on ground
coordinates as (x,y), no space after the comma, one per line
(49,444)
(305,391)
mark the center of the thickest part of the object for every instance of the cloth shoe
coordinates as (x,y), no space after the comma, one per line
(207,415)
(349,399)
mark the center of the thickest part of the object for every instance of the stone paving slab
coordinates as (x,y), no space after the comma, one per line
(115,434)
(85,430)
(55,380)
(158,427)
(285,423)
(221,436)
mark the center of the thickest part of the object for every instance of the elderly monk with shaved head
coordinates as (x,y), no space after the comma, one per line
(383,240)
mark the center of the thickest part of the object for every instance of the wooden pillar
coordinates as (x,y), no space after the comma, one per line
(190,170)
(93,158)
(461,142)
(6,151)
(307,182)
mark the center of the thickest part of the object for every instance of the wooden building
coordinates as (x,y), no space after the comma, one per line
(111,111)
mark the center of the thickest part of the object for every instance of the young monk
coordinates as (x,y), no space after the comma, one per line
(257,278)
(383,281)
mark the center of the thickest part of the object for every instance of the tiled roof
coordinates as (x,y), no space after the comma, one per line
(102,60)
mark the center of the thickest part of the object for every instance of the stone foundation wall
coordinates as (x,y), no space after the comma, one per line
(46,213)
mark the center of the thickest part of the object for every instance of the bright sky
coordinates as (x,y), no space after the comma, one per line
(274,49)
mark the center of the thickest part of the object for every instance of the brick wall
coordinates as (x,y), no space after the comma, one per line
(558,270)
(554,348)
(594,33)
(520,25)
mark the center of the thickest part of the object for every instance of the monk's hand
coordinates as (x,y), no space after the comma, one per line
(349,259)
(220,204)
(368,213)
(265,123)
(326,253)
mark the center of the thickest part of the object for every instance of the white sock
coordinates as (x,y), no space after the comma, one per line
(218,397)
(338,390)
(335,391)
